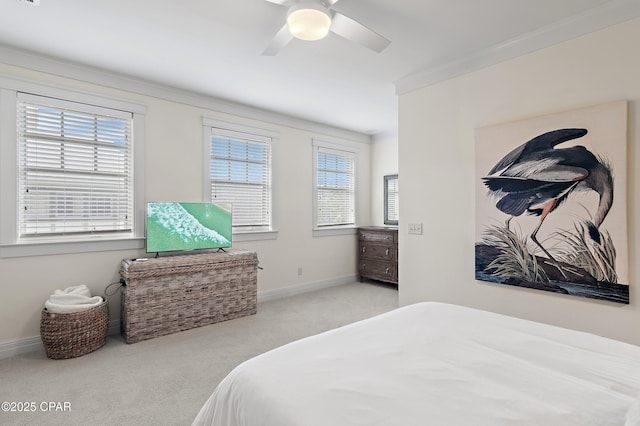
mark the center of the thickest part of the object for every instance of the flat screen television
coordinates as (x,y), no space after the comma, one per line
(187,226)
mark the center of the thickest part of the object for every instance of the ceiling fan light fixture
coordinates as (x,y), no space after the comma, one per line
(309,20)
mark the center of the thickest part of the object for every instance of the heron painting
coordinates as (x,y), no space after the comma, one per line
(550,210)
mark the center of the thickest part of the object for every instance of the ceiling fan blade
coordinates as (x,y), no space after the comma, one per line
(355,31)
(282,2)
(327,2)
(280,40)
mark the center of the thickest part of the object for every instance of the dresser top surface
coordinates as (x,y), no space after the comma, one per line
(378,228)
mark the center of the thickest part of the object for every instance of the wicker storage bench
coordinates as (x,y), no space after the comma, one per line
(175,293)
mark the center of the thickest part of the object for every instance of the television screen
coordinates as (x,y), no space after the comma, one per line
(187,226)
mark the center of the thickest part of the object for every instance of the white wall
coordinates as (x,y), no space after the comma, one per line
(384,161)
(436,158)
(174,171)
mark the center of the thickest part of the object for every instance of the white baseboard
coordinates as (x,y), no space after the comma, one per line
(34,344)
(19,347)
(114,327)
(265,296)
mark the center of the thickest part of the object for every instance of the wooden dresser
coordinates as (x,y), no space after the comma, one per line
(378,254)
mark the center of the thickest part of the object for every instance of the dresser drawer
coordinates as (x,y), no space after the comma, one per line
(378,251)
(381,237)
(378,270)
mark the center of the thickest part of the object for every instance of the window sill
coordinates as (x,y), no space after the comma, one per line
(50,248)
(328,232)
(254,236)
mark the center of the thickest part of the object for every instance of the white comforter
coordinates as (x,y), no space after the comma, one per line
(433,364)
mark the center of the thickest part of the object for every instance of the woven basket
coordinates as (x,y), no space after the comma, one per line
(74,334)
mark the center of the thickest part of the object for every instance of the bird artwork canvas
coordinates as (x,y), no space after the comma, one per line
(551,203)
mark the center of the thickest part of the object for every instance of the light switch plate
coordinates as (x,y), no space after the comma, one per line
(415,228)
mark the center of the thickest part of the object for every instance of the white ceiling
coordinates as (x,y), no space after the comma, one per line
(213,47)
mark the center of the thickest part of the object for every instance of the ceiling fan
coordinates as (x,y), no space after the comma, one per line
(313,19)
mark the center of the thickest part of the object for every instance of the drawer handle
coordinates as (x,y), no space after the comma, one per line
(387,270)
(364,249)
(386,253)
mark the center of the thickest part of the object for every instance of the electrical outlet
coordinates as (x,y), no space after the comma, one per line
(415,228)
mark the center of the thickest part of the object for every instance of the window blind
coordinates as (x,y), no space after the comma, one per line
(75,168)
(392,200)
(241,176)
(335,187)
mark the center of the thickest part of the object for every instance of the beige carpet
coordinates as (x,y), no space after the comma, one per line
(165,381)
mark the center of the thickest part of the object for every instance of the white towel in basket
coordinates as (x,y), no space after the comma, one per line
(72,299)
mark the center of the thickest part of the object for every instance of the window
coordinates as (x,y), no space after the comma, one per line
(391,200)
(334,187)
(71,168)
(239,163)
(75,169)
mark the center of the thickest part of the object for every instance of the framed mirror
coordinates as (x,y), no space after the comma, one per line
(391,200)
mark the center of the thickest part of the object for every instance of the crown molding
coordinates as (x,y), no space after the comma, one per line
(595,19)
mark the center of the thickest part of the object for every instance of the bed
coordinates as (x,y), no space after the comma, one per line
(434,364)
